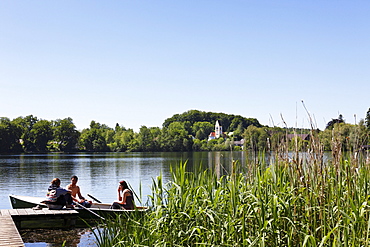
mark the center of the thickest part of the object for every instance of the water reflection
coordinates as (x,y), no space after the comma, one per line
(52,238)
(99,173)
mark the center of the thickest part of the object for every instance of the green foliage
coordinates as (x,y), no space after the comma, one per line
(182,132)
(276,137)
(148,139)
(125,140)
(362,133)
(367,119)
(40,134)
(199,145)
(10,135)
(296,143)
(325,139)
(276,204)
(65,135)
(34,133)
(93,138)
(26,125)
(201,130)
(229,122)
(256,138)
(175,138)
(238,132)
(349,137)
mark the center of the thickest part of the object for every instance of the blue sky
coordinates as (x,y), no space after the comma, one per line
(139,62)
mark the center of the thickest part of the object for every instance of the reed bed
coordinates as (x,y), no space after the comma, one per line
(290,200)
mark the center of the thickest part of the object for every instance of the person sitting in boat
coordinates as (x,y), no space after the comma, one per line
(76,193)
(125,197)
(57,197)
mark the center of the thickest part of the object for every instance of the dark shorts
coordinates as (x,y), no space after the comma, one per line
(86,204)
(116,205)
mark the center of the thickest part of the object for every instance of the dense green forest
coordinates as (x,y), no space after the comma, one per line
(188,131)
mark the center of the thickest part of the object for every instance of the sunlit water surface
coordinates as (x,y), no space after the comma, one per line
(98,173)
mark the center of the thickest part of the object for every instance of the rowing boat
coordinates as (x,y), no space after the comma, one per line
(96,211)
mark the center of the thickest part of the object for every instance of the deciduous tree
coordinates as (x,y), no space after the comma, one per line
(40,134)
(9,136)
(65,134)
(93,138)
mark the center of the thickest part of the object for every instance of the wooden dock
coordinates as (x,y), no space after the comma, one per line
(42,218)
(9,235)
(13,219)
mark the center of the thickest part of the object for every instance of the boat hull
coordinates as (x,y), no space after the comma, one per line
(25,201)
(97,212)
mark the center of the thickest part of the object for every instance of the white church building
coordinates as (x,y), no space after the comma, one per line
(217,133)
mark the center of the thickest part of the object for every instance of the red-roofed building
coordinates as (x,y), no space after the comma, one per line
(217,133)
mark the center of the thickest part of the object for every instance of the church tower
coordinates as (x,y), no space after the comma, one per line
(218,129)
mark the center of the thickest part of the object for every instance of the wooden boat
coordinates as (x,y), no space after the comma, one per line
(96,211)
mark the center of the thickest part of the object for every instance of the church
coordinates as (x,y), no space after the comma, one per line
(217,133)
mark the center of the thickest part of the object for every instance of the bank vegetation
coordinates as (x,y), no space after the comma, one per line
(286,198)
(189,131)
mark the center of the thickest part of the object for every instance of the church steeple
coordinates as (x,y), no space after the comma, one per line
(218,129)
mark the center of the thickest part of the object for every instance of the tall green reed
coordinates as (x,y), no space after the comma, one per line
(283,201)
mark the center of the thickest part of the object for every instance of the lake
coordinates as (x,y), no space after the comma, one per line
(98,173)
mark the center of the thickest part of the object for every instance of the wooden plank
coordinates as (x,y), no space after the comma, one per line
(13,211)
(61,211)
(48,211)
(69,211)
(31,211)
(5,212)
(9,235)
(21,211)
(41,212)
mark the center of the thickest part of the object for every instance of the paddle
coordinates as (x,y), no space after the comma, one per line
(78,204)
(93,198)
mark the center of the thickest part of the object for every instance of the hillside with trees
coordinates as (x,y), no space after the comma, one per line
(189,131)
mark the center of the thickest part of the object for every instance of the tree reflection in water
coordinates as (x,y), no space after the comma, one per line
(57,237)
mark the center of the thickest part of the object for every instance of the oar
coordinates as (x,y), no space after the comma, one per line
(93,198)
(78,204)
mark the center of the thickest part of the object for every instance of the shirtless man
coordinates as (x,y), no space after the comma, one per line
(76,192)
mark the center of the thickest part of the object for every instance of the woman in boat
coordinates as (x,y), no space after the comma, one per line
(57,197)
(125,197)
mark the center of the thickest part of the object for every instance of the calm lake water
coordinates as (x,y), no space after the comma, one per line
(99,173)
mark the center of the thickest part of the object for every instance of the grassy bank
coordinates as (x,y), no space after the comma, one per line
(285,201)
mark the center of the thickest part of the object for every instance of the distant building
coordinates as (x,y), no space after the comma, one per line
(217,133)
(239,143)
(218,130)
(212,135)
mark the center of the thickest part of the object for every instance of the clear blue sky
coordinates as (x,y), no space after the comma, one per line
(139,62)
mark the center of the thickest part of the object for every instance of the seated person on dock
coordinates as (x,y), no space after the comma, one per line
(125,197)
(57,197)
(76,192)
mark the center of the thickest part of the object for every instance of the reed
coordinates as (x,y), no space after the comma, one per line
(283,201)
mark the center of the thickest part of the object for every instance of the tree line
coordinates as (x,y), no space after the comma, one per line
(188,131)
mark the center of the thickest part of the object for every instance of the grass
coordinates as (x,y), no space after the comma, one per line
(283,201)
